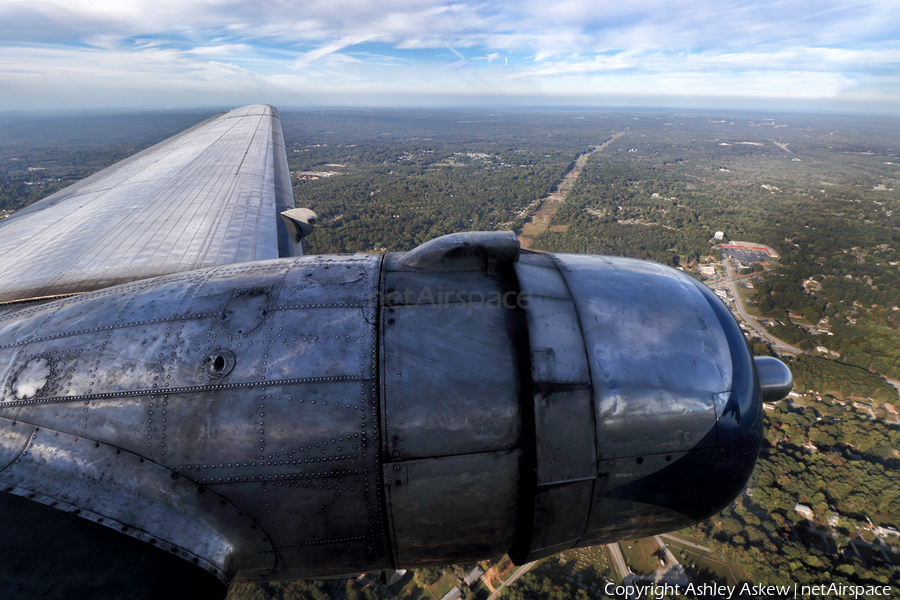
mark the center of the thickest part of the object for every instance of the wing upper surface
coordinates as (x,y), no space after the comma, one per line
(208,196)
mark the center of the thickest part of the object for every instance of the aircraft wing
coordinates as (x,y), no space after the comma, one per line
(208,196)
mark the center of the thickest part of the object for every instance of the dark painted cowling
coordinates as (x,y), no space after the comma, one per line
(660,402)
(328,415)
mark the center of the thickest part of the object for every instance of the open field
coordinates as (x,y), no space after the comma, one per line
(639,554)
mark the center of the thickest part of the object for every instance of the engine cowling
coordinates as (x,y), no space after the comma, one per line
(328,415)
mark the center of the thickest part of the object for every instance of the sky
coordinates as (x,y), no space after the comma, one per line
(822,55)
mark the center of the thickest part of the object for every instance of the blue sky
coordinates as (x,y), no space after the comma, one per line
(795,55)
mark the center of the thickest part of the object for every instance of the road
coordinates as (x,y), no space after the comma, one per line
(684,542)
(512,579)
(777,343)
(619,561)
(670,558)
(673,572)
(549,204)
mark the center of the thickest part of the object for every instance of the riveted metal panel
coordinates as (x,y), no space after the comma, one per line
(656,352)
(616,473)
(54,379)
(119,489)
(405,286)
(538,276)
(455,508)
(14,436)
(557,346)
(227,379)
(207,292)
(91,312)
(565,436)
(332,280)
(450,381)
(269,433)
(127,423)
(395,474)
(161,355)
(319,516)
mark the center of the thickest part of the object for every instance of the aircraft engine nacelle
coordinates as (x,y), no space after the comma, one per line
(329,415)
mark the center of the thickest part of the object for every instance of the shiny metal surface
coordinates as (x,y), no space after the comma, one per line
(208,196)
(638,364)
(300,222)
(454,508)
(117,383)
(436,402)
(359,413)
(330,415)
(657,396)
(469,249)
(564,415)
(451,400)
(75,474)
(775,378)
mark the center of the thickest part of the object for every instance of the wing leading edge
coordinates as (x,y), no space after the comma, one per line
(210,195)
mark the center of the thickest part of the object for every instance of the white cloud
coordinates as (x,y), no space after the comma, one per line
(154,49)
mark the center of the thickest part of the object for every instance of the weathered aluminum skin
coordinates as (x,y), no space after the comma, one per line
(324,416)
(565,429)
(451,399)
(229,413)
(208,196)
(659,396)
(121,490)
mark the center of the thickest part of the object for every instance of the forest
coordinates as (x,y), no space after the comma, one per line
(403,178)
(830,377)
(854,472)
(828,208)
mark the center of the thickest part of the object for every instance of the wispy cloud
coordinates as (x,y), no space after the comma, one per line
(224,50)
(330,48)
(461,57)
